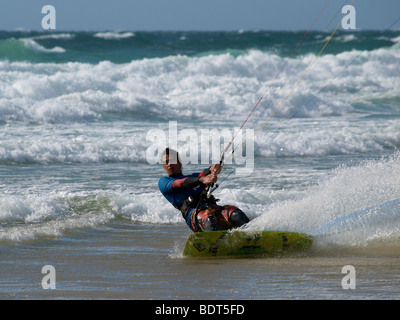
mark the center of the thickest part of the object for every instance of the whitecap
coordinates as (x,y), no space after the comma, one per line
(396,39)
(57,36)
(114,35)
(181,87)
(36,47)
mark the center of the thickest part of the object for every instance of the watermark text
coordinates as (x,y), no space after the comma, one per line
(204,146)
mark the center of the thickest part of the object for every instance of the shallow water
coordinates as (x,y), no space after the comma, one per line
(126,261)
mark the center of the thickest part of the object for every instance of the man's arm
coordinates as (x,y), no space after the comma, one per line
(185,183)
(205,177)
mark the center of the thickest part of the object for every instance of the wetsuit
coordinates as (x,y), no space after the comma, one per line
(184,192)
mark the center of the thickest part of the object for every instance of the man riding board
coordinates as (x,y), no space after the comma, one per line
(187,194)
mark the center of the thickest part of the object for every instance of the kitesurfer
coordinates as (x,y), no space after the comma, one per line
(187,194)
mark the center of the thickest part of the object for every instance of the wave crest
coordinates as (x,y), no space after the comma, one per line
(195,87)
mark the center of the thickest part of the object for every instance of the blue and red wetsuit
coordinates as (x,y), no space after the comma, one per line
(178,189)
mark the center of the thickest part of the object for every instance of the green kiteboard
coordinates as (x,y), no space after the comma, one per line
(233,243)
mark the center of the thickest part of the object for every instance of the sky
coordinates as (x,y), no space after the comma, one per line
(193,15)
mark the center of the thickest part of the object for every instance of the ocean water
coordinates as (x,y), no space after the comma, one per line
(78,190)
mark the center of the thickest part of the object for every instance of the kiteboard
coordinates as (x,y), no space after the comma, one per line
(234,243)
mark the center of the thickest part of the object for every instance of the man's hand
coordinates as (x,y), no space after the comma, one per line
(209,179)
(212,177)
(216,168)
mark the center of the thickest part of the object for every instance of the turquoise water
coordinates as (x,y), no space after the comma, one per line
(79,192)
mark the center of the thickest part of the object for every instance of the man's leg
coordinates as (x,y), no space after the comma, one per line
(205,221)
(211,219)
(235,216)
(238,218)
(210,224)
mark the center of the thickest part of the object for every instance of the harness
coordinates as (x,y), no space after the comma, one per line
(195,202)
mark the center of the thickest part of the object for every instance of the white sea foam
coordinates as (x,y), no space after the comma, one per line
(63,36)
(34,46)
(187,87)
(180,88)
(114,35)
(344,38)
(33,216)
(395,39)
(329,137)
(53,228)
(81,143)
(355,206)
